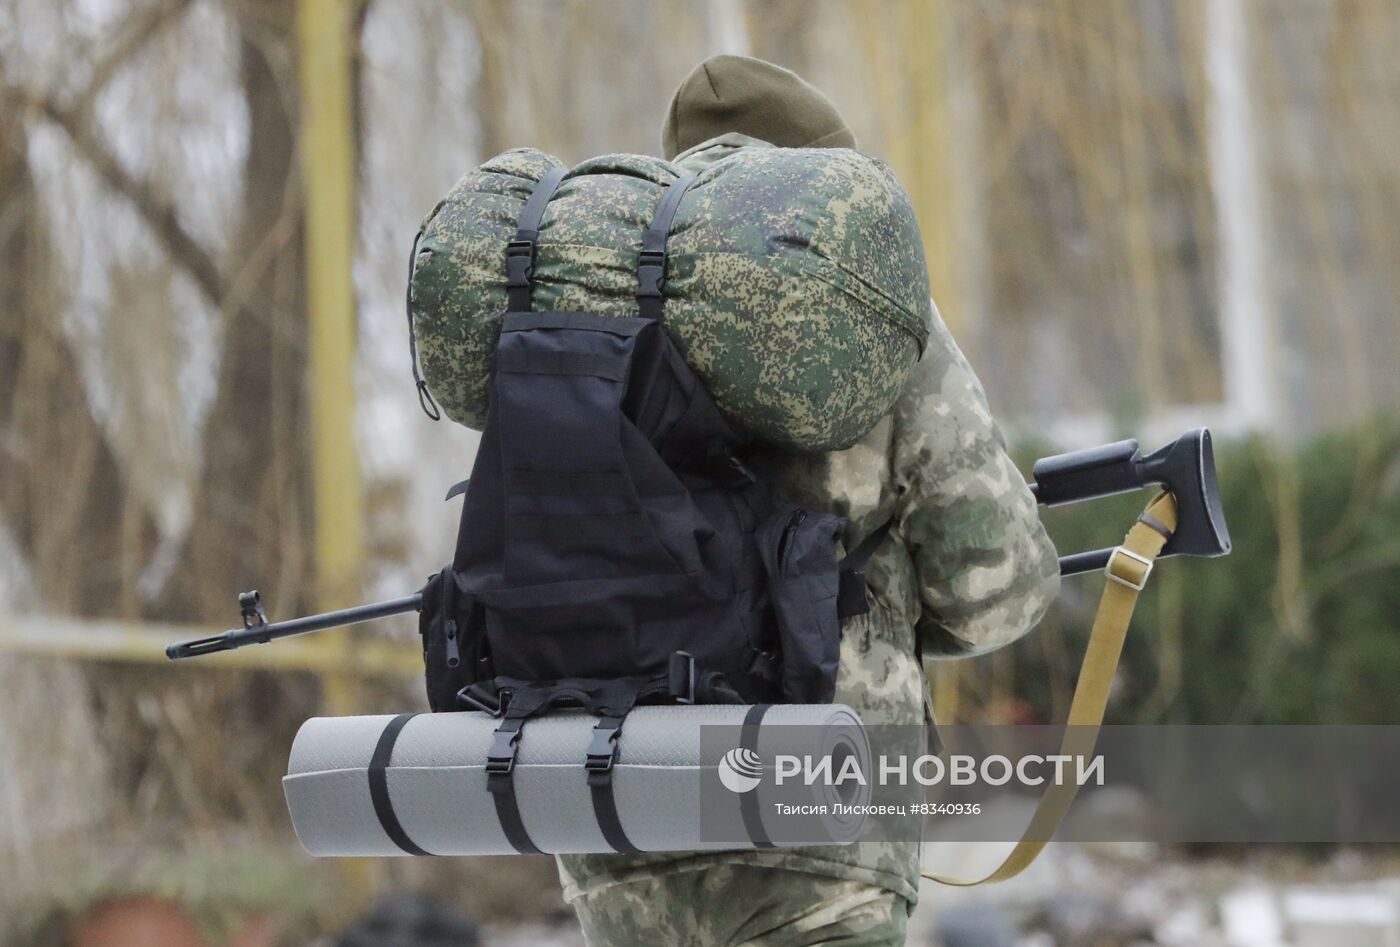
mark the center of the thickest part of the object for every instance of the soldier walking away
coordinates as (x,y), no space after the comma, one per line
(966,568)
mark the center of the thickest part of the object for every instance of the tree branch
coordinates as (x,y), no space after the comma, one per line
(155,209)
(132,37)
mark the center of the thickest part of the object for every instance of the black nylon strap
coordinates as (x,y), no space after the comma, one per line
(379,786)
(508,811)
(851,599)
(612,325)
(520,252)
(859,556)
(602,756)
(611,367)
(651,263)
(501,784)
(748,802)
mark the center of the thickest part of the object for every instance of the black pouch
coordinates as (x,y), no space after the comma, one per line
(453,645)
(798,550)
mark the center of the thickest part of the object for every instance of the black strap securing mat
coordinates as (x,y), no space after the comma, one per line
(651,263)
(602,756)
(520,252)
(379,786)
(500,770)
(748,802)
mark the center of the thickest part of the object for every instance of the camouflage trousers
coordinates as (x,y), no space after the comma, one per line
(732,904)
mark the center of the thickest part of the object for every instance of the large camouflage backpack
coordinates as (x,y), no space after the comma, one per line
(614,548)
(795,286)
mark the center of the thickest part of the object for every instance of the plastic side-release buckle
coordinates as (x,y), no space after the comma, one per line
(602,752)
(1128,578)
(500,761)
(520,262)
(651,273)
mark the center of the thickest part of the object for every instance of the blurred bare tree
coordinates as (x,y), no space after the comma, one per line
(252,503)
(1134,212)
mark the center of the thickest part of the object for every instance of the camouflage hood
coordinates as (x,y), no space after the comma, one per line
(796,285)
(729,93)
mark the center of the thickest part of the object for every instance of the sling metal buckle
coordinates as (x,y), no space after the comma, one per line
(1122,580)
(468,697)
(680,678)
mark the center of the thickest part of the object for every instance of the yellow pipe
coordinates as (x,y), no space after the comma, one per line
(88,640)
(328,163)
(929,179)
(929,172)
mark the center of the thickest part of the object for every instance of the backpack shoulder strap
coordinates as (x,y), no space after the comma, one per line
(651,262)
(520,252)
(851,600)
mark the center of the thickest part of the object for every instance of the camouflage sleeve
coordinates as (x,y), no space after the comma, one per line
(984,566)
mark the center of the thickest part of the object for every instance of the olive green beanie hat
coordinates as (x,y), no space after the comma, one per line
(756,98)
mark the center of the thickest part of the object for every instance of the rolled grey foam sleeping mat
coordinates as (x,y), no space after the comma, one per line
(417,784)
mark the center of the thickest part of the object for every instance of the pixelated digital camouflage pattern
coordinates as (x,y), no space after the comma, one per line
(734,904)
(968,568)
(796,285)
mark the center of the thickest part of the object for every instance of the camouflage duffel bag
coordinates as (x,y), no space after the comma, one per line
(795,282)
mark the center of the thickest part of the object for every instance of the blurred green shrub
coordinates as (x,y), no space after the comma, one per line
(219,882)
(1301,624)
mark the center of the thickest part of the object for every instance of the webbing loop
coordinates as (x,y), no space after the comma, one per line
(379,786)
(520,252)
(500,782)
(599,763)
(651,262)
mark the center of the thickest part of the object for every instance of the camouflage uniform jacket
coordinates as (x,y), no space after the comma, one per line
(968,568)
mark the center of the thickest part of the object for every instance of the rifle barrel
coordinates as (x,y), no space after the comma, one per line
(262,634)
(1095,560)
